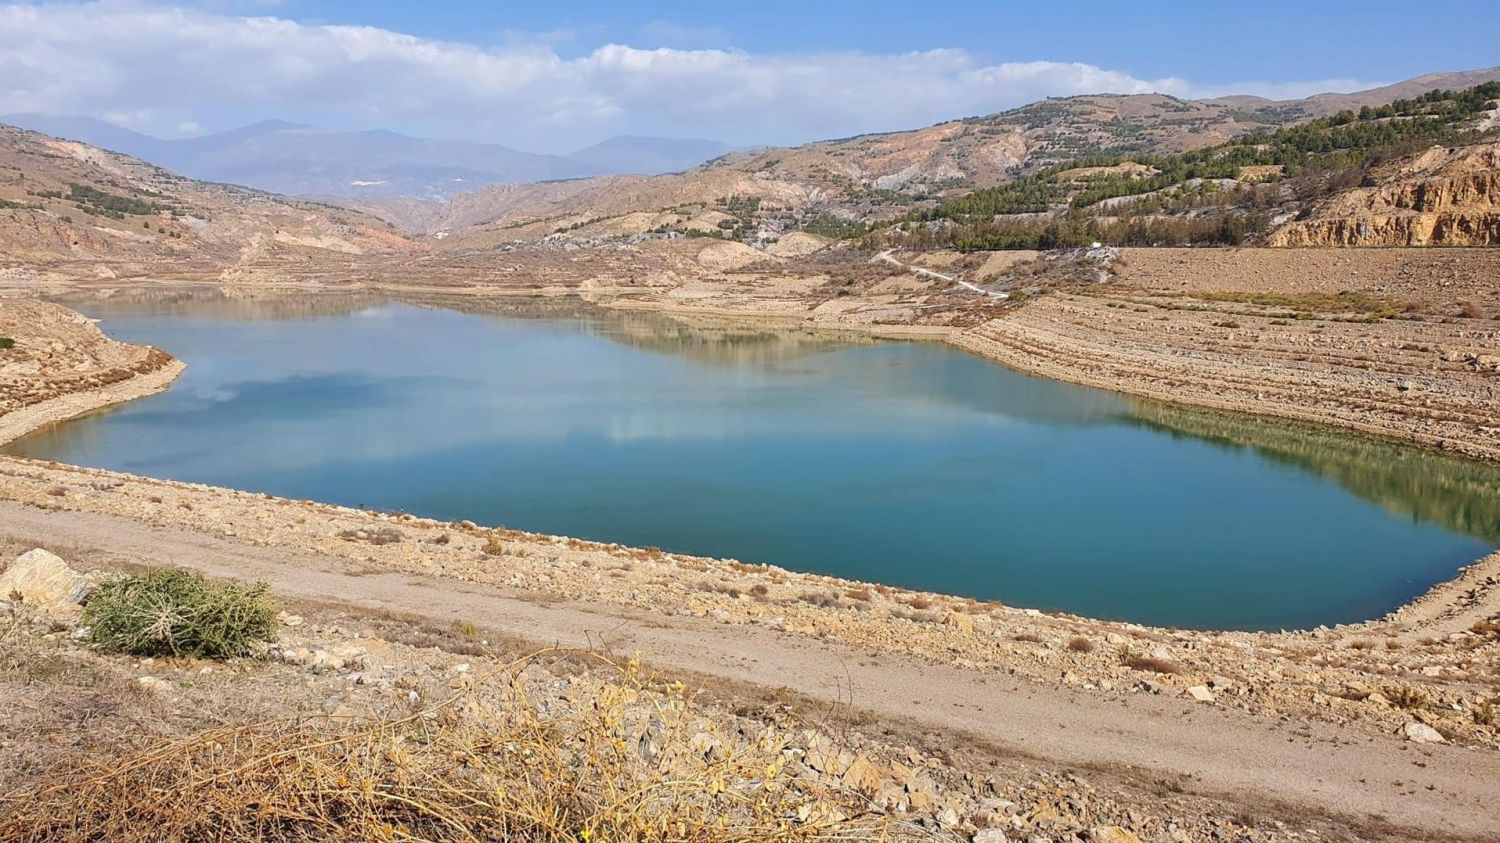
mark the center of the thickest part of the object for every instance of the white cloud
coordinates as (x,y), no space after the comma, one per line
(162,66)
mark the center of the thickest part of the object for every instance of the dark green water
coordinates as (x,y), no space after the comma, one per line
(910,464)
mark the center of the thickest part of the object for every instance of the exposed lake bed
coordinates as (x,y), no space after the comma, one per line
(911,464)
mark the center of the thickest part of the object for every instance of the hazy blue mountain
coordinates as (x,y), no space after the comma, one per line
(300,160)
(94,132)
(649,156)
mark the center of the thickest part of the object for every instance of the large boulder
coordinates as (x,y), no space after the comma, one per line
(41,580)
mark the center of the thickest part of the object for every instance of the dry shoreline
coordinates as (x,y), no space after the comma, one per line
(1440,600)
(63,408)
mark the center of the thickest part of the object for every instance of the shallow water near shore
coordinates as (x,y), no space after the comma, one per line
(913,464)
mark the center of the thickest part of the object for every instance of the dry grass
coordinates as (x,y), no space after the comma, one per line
(631,763)
(822,599)
(1487,628)
(1402,696)
(1151,664)
(1485,714)
(1081,645)
(493,546)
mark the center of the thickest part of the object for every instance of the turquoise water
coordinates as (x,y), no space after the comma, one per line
(905,463)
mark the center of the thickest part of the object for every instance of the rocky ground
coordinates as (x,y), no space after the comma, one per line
(55,364)
(344,668)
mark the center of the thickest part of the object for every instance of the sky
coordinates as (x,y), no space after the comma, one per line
(554,76)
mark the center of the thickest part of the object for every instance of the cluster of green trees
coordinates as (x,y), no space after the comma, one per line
(96,202)
(743,209)
(831,225)
(1314,158)
(1072,230)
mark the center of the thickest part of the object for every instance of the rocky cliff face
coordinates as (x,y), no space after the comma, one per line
(1441,197)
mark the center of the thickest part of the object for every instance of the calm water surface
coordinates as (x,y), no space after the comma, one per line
(910,464)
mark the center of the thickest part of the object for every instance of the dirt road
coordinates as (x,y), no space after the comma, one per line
(1403,789)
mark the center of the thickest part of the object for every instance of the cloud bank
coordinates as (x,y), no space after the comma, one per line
(161,68)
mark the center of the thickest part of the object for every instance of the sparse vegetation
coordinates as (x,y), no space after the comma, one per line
(1200,197)
(96,202)
(168,612)
(1150,664)
(1402,696)
(488,764)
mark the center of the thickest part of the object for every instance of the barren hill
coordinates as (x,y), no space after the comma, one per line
(65,202)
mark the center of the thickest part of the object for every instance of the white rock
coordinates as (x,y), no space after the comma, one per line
(43,581)
(155,685)
(1422,733)
(1201,693)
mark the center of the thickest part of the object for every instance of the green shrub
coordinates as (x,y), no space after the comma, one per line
(7,342)
(168,612)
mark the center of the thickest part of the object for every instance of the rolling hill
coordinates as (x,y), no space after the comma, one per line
(68,203)
(830,186)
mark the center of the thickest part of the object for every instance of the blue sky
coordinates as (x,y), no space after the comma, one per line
(549,76)
(1223,42)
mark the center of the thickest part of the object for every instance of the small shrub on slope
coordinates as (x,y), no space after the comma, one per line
(170,613)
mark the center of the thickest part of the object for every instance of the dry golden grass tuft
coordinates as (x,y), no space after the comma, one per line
(1151,664)
(633,762)
(1403,696)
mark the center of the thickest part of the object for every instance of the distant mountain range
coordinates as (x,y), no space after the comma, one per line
(298,160)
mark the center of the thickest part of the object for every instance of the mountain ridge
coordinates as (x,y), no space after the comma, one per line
(826,185)
(296,159)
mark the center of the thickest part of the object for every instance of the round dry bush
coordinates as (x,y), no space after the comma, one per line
(167,612)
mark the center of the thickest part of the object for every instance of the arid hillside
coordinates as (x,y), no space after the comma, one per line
(67,203)
(822,186)
(1441,197)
